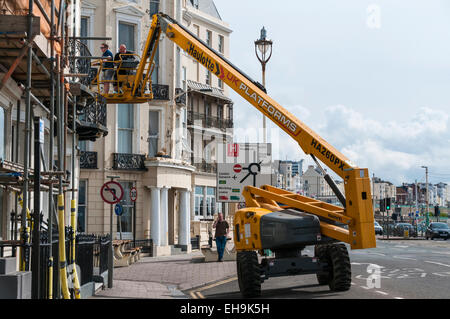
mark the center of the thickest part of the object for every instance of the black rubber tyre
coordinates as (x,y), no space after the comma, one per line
(321,252)
(341,272)
(249,274)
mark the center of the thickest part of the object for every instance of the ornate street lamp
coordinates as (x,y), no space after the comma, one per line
(264,47)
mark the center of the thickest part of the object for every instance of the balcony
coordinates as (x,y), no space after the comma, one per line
(88,160)
(206,167)
(160,92)
(129,162)
(91,106)
(180,97)
(91,122)
(209,121)
(80,61)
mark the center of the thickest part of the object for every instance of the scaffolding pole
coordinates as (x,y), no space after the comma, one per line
(58,113)
(24,232)
(50,151)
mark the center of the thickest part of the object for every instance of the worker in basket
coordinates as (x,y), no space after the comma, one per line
(122,55)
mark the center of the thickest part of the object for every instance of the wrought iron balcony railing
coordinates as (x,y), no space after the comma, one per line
(95,112)
(160,92)
(209,121)
(226,123)
(206,167)
(180,97)
(131,162)
(88,160)
(80,62)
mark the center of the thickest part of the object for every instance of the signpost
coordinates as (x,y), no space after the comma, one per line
(118,210)
(133,194)
(111,193)
(133,198)
(240,165)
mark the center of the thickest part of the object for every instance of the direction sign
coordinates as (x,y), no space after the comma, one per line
(240,165)
(133,194)
(118,209)
(111,192)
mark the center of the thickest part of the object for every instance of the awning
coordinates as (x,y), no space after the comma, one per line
(208,90)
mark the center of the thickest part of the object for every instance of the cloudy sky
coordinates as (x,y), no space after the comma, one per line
(370,77)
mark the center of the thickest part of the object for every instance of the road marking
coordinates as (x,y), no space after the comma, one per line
(407,258)
(398,298)
(218,283)
(442,253)
(434,262)
(378,254)
(381,292)
(193,295)
(400,246)
(196,294)
(442,274)
(200,295)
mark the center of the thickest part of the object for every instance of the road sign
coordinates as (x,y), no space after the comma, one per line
(133,194)
(240,165)
(111,192)
(118,209)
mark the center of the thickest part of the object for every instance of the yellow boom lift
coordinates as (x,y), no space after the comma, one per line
(274,219)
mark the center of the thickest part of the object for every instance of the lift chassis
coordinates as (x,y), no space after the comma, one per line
(275,219)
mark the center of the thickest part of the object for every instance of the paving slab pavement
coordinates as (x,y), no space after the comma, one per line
(166,277)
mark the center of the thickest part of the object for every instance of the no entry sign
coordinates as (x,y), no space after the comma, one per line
(133,194)
(237,168)
(111,192)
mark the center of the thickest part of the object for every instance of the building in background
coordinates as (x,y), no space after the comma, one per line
(209,109)
(13,74)
(382,189)
(315,186)
(288,175)
(150,145)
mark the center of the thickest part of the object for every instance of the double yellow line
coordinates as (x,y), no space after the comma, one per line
(196,293)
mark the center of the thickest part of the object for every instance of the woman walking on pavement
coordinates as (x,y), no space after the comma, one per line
(221,235)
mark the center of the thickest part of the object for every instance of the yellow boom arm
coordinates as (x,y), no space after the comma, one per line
(358,200)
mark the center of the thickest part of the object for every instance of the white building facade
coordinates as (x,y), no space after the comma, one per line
(149,145)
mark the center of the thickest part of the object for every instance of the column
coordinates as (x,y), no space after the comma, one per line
(184,237)
(164,216)
(155,216)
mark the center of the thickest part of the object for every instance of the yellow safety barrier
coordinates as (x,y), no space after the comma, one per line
(62,248)
(50,278)
(73,222)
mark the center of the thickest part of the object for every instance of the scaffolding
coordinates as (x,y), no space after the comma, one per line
(70,107)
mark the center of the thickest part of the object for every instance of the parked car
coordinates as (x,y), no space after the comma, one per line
(378,229)
(399,229)
(437,230)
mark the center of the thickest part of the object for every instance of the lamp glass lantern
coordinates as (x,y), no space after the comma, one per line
(264,46)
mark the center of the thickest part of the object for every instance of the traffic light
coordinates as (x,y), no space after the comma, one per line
(382,205)
(388,204)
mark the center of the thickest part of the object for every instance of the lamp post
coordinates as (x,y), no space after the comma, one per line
(264,47)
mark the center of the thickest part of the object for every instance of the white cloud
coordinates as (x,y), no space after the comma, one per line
(394,150)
